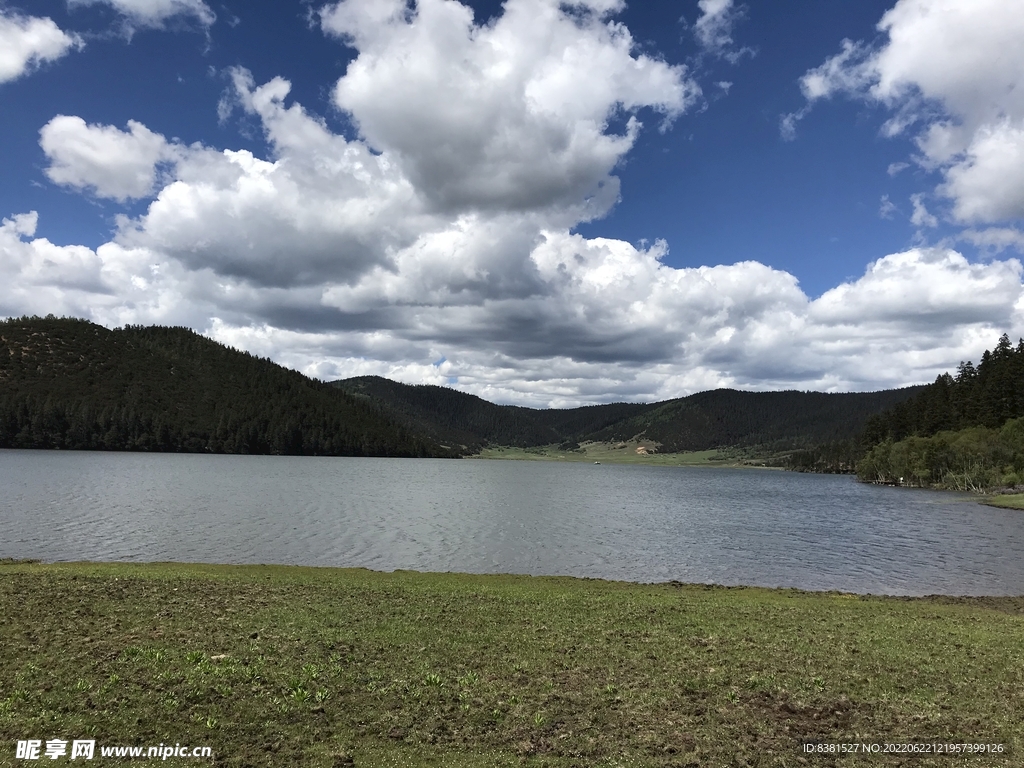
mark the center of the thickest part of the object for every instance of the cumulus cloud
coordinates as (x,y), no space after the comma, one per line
(41,263)
(321,209)
(986,181)
(437,245)
(919,286)
(109,283)
(156,13)
(495,131)
(949,70)
(26,42)
(514,115)
(103,159)
(613,322)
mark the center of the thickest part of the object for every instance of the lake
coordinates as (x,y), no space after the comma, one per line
(627,522)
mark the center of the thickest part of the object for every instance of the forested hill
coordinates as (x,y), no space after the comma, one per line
(68,383)
(776,421)
(984,396)
(73,384)
(719,418)
(458,418)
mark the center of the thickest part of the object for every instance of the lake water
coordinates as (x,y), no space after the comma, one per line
(634,523)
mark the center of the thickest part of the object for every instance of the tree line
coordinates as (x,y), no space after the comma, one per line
(963,431)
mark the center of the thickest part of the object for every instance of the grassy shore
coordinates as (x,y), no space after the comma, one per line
(283,666)
(1005,501)
(626,453)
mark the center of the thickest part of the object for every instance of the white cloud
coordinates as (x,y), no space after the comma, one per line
(511,116)
(953,69)
(713,29)
(846,72)
(963,54)
(31,266)
(156,13)
(26,42)
(444,232)
(921,217)
(103,159)
(986,183)
(788,123)
(887,208)
(612,322)
(920,286)
(322,209)
(995,238)
(112,284)
(494,122)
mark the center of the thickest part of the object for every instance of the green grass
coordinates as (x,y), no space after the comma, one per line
(1006,501)
(283,666)
(626,453)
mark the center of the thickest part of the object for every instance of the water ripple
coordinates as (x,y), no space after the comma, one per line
(616,522)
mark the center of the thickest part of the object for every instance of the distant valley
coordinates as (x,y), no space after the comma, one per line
(763,424)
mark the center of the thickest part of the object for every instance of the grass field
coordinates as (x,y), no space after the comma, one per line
(283,666)
(626,453)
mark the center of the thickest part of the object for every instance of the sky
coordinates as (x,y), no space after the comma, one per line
(542,203)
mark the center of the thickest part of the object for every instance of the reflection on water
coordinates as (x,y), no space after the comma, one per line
(632,523)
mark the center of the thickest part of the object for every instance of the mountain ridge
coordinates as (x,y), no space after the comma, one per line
(784,420)
(69,383)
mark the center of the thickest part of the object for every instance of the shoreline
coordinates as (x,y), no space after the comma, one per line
(313,571)
(1003,500)
(625,452)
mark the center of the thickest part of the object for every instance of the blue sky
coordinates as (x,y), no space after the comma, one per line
(539,203)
